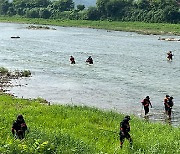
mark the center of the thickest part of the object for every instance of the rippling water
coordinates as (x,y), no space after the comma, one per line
(127,67)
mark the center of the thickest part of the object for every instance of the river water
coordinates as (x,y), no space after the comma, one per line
(127,67)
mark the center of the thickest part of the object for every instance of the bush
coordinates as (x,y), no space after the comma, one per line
(3,70)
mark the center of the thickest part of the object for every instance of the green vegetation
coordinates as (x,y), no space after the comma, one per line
(153,11)
(4,72)
(25,73)
(79,129)
(139,27)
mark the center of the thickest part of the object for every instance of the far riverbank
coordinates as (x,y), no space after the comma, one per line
(138,27)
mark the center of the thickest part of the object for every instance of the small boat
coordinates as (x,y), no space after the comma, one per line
(15,36)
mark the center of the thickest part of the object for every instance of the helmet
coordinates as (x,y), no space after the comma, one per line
(20,117)
(147,97)
(127,117)
(171,97)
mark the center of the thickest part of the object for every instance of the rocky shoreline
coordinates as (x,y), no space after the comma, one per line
(7,76)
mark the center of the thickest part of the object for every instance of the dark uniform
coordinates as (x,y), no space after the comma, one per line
(89,60)
(146,102)
(124,131)
(166,100)
(19,127)
(169,55)
(168,106)
(72,60)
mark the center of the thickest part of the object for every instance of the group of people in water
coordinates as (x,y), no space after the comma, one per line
(168,104)
(89,60)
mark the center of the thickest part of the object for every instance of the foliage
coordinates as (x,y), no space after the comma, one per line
(16,73)
(25,73)
(3,70)
(93,13)
(79,129)
(157,11)
(80,7)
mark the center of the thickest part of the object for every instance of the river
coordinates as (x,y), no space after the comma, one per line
(127,67)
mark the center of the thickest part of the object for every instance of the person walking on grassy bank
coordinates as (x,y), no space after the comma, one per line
(146,102)
(19,127)
(124,131)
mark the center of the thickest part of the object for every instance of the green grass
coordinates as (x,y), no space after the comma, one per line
(79,130)
(139,27)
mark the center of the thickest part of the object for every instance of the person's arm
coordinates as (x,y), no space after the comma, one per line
(150,104)
(24,126)
(166,103)
(121,128)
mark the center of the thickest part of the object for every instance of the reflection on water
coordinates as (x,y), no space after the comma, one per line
(127,67)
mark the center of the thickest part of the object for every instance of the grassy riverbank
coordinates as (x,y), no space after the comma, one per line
(139,27)
(73,129)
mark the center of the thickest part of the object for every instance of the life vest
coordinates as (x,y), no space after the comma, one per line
(124,126)
(166,101)
(72,59)
(145,102)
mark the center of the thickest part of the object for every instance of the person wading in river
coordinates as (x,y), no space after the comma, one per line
(168,105)
(146,102)
(124,131)
(89,60)
(166,100)
(72,60)
(169,55)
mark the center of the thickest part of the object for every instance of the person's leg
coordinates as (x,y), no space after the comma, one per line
(169,113)
(166,110)
(121,140)
(20,134)
(146,110)
(130,139)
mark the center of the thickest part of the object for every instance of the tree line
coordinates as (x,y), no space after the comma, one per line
(156,11)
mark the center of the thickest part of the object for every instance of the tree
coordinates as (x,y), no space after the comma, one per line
(115,8)
(11,11)
(40,3)
(80,7)
(32,13)
(63,5)
(143,4)
(93,13)
(101,6)
(4,5)
(44,13)
(171,14)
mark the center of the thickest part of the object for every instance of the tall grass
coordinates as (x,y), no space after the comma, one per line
(139,27)
(79,129)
